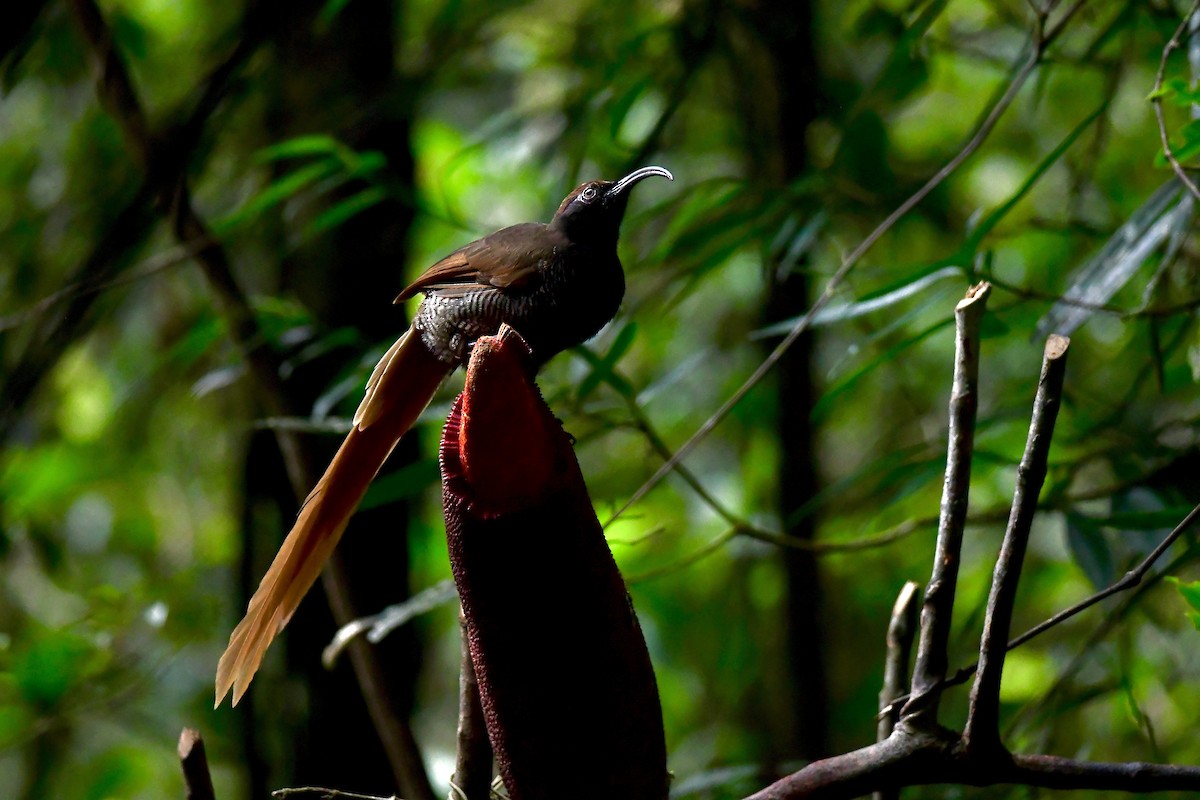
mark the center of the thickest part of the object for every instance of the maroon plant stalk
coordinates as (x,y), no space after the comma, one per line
(565,680)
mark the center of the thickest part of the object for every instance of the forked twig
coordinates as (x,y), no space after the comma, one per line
(1129,580)
(918,751)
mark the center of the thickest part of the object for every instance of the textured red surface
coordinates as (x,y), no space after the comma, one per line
(566,682)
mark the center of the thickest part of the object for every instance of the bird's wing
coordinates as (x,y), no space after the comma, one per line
(507,259)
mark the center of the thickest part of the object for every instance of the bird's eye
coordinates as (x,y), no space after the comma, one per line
(588,194)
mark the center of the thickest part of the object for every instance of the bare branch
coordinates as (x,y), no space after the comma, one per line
(902,627)
(938,606)
(704,552)
(890,764)
(473,765)
(1118,614)
(889,536)
(378,626)
(194,762)
(1052,772)
(1129,580)
(1156,100)
(914,758)
(982,730)
(326,794)
(94,284)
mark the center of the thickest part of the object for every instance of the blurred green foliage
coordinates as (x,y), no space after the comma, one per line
(121,480)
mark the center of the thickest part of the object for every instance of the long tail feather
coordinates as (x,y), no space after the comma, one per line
(399,389)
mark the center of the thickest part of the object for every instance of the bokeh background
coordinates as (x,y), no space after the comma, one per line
(183,182)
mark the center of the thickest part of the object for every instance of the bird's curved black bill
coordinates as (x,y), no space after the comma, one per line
(637,175)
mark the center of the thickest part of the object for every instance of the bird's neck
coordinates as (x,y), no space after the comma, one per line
(600,238)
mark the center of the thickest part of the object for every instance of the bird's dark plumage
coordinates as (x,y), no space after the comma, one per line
(557,284)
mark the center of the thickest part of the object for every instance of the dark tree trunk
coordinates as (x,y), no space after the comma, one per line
(780,53)
(341,80)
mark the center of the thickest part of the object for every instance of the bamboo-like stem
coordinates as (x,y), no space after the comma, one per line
(982,730)
(938,606)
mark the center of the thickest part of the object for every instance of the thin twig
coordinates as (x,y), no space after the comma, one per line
(1110,620)
(180,254)
(938,606)
(641,422)
(55,333)
(699,555)
(196,778)
(327,794)
(473,764)
(1143,311)
(982,731)
(1129,580)
(378,626)
(889,536)
(1156,101)
(1039,41)
(902,627)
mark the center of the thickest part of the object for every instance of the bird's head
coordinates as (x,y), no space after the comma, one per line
(593,212)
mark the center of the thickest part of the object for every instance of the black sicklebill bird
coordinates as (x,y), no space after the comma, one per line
(557,284)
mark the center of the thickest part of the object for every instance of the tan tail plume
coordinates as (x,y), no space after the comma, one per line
(399,389)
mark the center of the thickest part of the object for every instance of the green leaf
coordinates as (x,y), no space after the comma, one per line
(993,219)
(1190,592)
(276,193)
(329,13)
(622,342)
(361,164)
(1179,91)
(1100,277)
(828,400)
(55,662)
(875,302)
(1168,89)
(1187,149)
(16,722)
(602,366)
(340,212)
(405,482)
(205,333)
(619,108)
(1091,550)
(317,144)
